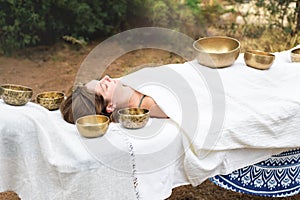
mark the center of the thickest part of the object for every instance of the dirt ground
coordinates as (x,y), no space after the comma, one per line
(54,68)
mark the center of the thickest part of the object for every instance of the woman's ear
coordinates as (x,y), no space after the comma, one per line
(110,107)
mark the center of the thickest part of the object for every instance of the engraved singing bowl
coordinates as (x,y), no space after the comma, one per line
(133,118)
(50,100)
(217,51)
(259,59)
(295,55)
(16,95)
(92,126)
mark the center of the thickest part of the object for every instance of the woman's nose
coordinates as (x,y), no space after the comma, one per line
(105,78)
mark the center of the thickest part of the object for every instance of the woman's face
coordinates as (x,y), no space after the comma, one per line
(106,87)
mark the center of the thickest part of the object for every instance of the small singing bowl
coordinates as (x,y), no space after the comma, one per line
(259,59)
(16,95)
(295,55)
(92,126)
(133,118)
(217,51)
(50,100)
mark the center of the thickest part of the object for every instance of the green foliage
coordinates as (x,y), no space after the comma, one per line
(27,23)
(18,24)
(279,41)
(161,14)
(185,16)
(193,5)
(81,42)
(283,14)
(212,13)
(271,42)
(35,22)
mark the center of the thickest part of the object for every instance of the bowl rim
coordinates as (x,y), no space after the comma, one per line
(147,111)
(260,53)
(54,91)
(28,89)
(296,51)
(217,36)
(90,124)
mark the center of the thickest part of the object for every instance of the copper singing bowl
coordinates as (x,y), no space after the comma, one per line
(16,95)
(91,126)
(50,100)
(295,55)
(217,51)
(133,118)
(259,59)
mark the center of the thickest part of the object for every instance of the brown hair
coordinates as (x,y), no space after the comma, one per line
(82,102)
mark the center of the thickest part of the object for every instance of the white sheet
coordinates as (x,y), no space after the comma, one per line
(43,157)
(261,111)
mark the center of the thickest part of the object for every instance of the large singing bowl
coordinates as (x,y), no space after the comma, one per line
(92,126)
(16,95)
(133,118)
(50,100)
(217,51)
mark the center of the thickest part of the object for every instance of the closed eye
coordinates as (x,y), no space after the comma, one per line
(103,86)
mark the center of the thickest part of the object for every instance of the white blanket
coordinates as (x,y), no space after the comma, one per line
(43,157)
(236,115)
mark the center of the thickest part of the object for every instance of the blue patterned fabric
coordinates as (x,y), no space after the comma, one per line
(278,176)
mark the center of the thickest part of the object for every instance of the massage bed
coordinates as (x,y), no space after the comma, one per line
(43,157)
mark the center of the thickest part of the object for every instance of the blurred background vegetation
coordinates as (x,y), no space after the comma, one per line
(269,25)
(275,23)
